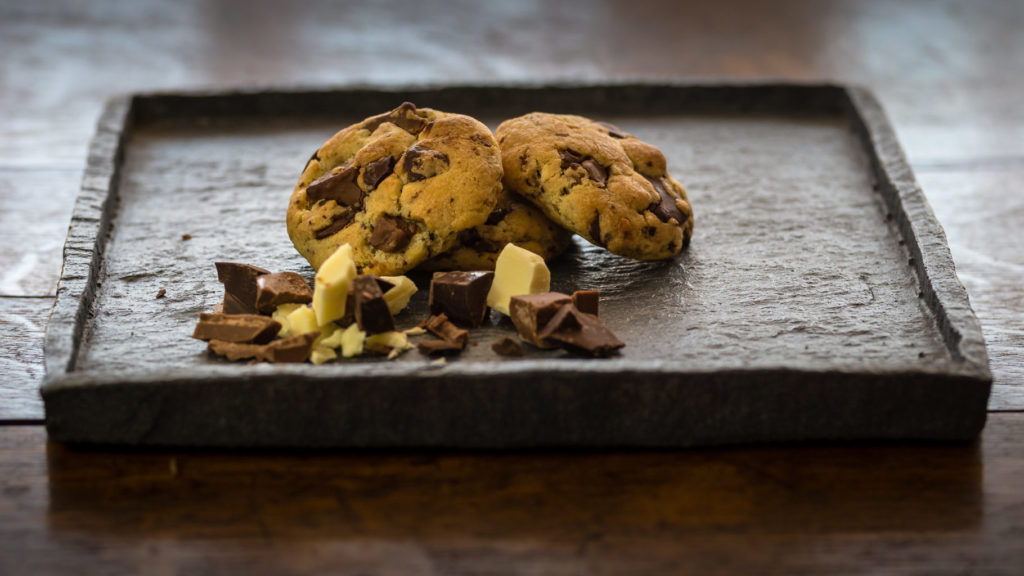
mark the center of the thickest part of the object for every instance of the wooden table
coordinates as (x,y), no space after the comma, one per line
(950,77)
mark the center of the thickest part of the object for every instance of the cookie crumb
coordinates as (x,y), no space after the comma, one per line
(186,236)
(161,293)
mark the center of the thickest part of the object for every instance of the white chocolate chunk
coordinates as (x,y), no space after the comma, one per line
(352,341)
(321,354)
(517,271)
(302,320)
(397,341)
(281,316)
(331,336)
(330,287)
(399,294)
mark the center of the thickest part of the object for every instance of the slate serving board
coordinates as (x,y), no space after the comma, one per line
(817,301)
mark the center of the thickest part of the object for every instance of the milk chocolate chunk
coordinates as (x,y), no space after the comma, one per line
(596,172)
(462,296)
(439,347)
(421,163)
(586,301)
(236,328)
(613,130)
(666,208)
(350,300)
(391,234)
(580,333)
(272,290)
(294,349)
(569,158)
(440,325)
(531,313)
(371,310)
(339,184)
(239,286)
(507,347)
(404,117)
(378,170)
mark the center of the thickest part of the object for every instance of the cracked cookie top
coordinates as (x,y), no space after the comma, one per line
(598,181)
(398,187)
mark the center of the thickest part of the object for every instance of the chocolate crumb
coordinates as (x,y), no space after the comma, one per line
(186,236)
(507,347)
(161,293)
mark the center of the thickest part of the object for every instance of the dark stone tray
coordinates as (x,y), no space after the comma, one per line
(817,302)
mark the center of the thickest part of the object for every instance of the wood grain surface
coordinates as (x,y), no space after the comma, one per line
(950,77)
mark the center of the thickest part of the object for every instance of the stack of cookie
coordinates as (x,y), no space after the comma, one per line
(416,187)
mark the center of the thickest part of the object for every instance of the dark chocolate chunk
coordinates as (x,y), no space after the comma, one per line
(613,130)
(580,333)
(294,349)
(462,296)
(596,172)
(339,184)
(666,208)
(497,215)
(371,310)
(337,223)
(378,170)
(440,325)
(236,328)
(507,347)
(405,117)
(570,158)
(391,233)
(586,301)
(531,313)
(239,286)
(350,300)
(272,290)
(595,230)
(421,163)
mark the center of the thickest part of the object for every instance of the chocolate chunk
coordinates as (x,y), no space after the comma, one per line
(497,215)
(507,347)
(378,170)
(570,158)
(438,347)
(580,333)
(391,233)
(236,328)
(595,230)
(440,325)
(613,130)
(337,223)
(371,310)
(314,156)
(596,172)
(421,163)
(405,117)
(339,184)
(294,349)
(531,313)
(462,296)
(586,301)
(239,286)
(272,290)
(350,300)
(666,208)
(472,239)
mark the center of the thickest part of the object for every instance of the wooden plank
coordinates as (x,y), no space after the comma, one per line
(35,209)
(23,324)
(981,211)
(931,509)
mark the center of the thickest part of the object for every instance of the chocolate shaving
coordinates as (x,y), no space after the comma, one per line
(391,234)
(338,184)
(453,339)
(378,170)
(294,349)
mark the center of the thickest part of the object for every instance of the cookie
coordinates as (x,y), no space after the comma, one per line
(397,187)
(513,220)
(598,181)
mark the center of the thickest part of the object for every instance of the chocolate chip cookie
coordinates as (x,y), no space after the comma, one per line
(598,181)
(397,187)
(513,220)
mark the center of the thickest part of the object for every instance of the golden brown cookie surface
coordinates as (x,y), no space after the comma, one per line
(592,178)
(397,187)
